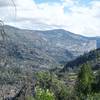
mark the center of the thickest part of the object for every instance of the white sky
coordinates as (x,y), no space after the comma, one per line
(67,14)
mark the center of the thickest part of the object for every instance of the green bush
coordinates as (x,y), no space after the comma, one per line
(42,94)
(52,82)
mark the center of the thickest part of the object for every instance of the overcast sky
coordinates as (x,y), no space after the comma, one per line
(78,16)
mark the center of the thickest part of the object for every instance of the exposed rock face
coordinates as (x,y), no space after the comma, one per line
(45,49)
(98,41)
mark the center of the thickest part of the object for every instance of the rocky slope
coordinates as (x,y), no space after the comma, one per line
(43,49)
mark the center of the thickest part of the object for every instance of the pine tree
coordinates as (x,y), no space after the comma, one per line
(85,80)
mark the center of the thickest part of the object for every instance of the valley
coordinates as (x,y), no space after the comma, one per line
(47,64)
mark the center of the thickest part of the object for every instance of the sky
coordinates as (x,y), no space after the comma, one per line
(77,16)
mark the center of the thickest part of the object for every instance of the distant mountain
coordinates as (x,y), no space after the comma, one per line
(93,57)
(97,40)
(44,49)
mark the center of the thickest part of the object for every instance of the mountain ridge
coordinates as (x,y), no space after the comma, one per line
(56,46)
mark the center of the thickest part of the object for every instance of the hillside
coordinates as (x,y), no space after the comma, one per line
(93,57)
(26,56)
(45,49)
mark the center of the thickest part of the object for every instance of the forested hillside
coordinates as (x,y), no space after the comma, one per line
(93,57)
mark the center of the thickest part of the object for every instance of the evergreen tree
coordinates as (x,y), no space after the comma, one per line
(84,83)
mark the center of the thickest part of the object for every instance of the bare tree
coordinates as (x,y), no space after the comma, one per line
(2,31)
